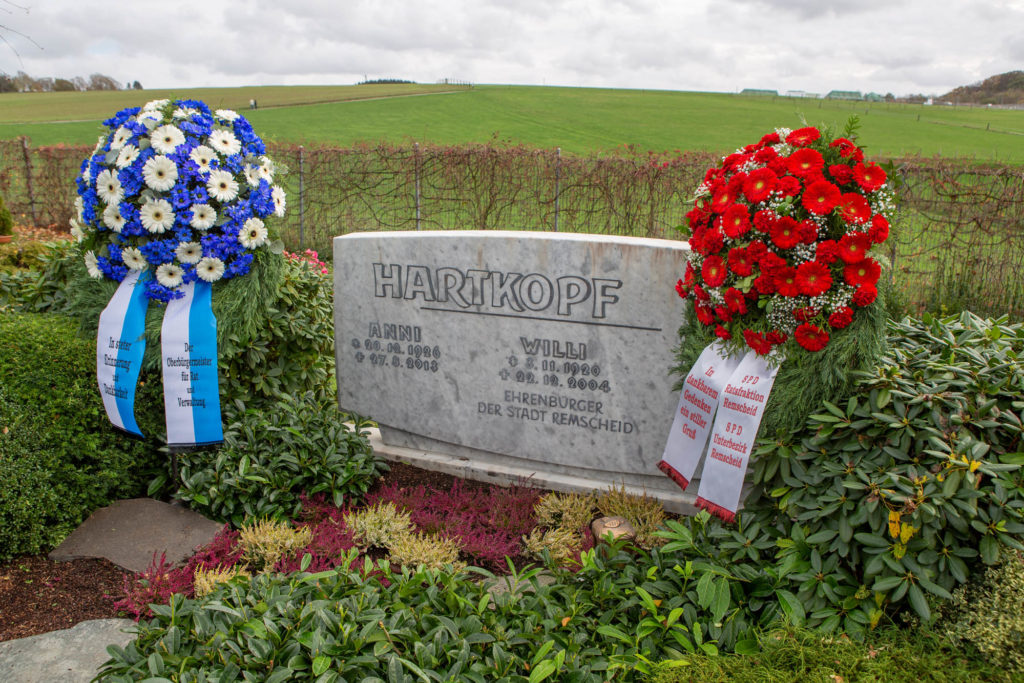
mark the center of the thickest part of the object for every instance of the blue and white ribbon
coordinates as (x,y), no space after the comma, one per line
(120,344)
(188,342)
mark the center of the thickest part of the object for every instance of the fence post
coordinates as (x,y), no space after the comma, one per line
(416,173)
(302,197)
(28,181)
(558,181)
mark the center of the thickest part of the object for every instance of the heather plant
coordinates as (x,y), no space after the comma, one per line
(562,544)
(430,550)
(645,513)
(379,525)
(565,510)
(268,541)
(206,581)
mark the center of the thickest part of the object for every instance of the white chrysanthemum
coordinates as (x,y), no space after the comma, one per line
(160,173)
(189,252)
(127,156)
(157,216)
(169,275)
(121,136)
(202,155)
(153,105)
(166,139)
(113,219)
(253,234)
(227,114)
(133,258)
(267,169)
(252,175)
(203,216)
(210,269)
(222,186)
(91,265)
(76,231)
(225,142)
(277,194)
(184,112)
(108,187)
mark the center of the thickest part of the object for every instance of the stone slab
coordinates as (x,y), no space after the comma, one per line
(129,532)
(546,353)
(73,655)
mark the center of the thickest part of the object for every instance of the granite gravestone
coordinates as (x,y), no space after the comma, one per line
(505,355)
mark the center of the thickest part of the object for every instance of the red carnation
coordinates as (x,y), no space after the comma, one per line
(811,337)
(765,284)
(785,282)
(853,247)
(821,197)
(801,137)
(704,315)
(736,220)
(778,166)
(698,217)
(736,183)
(841,318)
(735,160)
(804,314)
(770,139)
(788,186)
(735,300)
(879,230)
(827,251)
(763,220)
(775,338)
(865,295)
(808,231)
(722,332)
(805,162)
(865,272)
(847,149)
(765,155)
(681,289)
(841,172)
(771,263)
(785,233)
(813,278)
(723,313)
(700,294)
(854,208)
(757,342)
(740,261)
(757,249)
(869,176)
(712,174)
(714,271)
(758,185)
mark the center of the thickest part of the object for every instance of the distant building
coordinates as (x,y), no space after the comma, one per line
(844,95)
(874,97)
(759,93)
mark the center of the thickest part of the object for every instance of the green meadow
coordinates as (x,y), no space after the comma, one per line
(579,120)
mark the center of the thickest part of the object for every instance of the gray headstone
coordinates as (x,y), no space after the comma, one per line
(538,355)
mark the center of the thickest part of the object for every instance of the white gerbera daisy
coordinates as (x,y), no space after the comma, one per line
(277,194)
(169,275)
(166,139)
(227,114)
(225,142)
(76,230)
(121,136)
(151,116)
(160,173)
(253,234)
(184,112)
(108,187)
(222,186)
(202,155)
(113,219)
(127,156)
(267,169)
(157,216)
(210,269)
(203,216)
(252,175)
(133,258)
(92,265)
(189,252)
(153,105)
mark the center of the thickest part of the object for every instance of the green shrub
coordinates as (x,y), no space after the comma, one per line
(60,457)
(988,614)
(6,220)
(430,550)
(272,456)
(267,541)
(38,281)
(378,526)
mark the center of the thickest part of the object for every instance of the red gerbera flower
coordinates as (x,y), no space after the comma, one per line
(879,230)
(785,233)
(865,272)
(757,249)
(813,278)
(714,271)
(770,139)
(700,294)
(722,332)
(757,342)
(740,262)
(722,200)
(853,246)
(847,149)
(841,318)
(821,197)
(865,295)
(854,208)
(785,282)
(758,185)
(735,160)
(765,155)
(788,186)
(869,176)
(736,183)
(736,220)
(841,173)
(711,242)
(778,166)
(681,289)
(685,284)
(735,300)
(801,137)
(723,313)
(805,162)
(698,217)
(811,337)
(827,251)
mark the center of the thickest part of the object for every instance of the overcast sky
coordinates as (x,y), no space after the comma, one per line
(898,46)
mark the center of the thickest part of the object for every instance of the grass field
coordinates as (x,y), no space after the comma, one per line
(579,120)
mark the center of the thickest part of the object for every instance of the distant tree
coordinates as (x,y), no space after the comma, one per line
(63,85)
(23,82)
(81,85)
(7,84)
(889,97)
(102,82)
(136,85)
(44,84)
